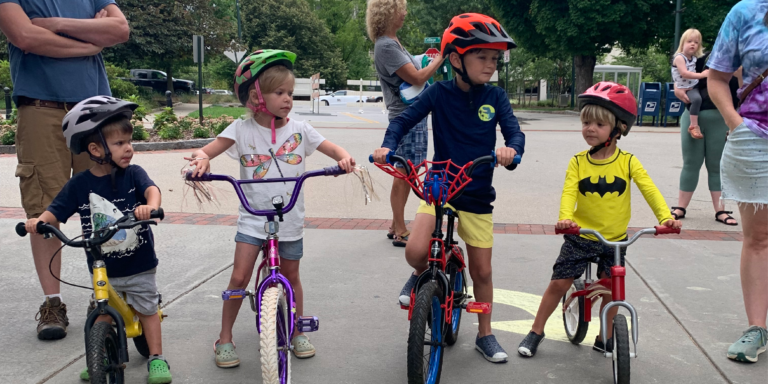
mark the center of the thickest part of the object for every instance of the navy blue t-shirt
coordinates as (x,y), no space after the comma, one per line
(64,80)
(463,131)
(131,251)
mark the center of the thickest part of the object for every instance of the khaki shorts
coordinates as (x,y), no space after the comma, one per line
(45,162)
(475,229)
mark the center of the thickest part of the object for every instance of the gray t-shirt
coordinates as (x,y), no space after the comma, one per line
(388,57)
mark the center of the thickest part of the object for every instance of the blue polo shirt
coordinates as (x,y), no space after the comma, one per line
(64,80)
(463,130)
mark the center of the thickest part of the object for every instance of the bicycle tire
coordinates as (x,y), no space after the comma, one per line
(140,342)
(103,355)
(274,343)
(457,282)
(621,371)
(573,316)
(426,312)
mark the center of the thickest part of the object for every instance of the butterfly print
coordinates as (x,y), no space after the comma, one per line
(262,162)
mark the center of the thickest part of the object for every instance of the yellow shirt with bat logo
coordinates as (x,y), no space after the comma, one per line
(597,193)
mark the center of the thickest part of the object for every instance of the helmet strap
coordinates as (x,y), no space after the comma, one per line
(263,108)
(615,133)
(107,159)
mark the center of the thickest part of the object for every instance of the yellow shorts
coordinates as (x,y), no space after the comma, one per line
(475,229)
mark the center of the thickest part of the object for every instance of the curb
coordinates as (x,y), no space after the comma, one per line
(140,146)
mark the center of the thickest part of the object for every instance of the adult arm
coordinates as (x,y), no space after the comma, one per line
(684,72)
(30,38)
(401,125)
(418,77)
(720,93)
(106,29)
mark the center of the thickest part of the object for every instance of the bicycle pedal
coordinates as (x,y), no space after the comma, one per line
(406,307)
(308,324)
(233,294)
(475,307)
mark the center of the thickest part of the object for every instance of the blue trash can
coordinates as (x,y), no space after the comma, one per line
(649,104)
(674,106)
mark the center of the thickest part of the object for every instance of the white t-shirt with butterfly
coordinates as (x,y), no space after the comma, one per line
(260,159)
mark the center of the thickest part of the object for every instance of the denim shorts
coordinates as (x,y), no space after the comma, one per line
(744,167)
(413,146)
(291,250)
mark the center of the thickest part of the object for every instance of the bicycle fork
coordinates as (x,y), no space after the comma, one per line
(617,293)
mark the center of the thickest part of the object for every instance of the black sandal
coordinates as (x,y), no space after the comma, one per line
(390,233)
(675,215)
(727,217)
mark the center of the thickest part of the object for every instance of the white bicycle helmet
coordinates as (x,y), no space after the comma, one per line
(89,115)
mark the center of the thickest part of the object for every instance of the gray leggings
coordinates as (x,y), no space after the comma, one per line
(695,97)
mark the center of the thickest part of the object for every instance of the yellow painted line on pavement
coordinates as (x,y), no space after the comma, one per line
(359,118)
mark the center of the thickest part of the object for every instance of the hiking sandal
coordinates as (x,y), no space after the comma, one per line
(401,240)
(225,355)
(695,132)
(727,217)
(302,348)
(675,215)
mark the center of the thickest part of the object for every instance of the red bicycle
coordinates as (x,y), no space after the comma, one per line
(584,294)
(440,292)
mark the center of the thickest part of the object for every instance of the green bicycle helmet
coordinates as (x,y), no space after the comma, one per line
(254,64)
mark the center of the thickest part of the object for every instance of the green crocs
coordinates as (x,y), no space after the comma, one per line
(159,371)
(225,354)
(84,375)
(750,345)
(302,348)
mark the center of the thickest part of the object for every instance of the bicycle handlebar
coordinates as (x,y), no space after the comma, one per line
(480,160)
(657,230)
(327,171)
(126,222)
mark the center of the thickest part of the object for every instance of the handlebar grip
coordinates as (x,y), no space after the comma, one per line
(21,229)
(370,158)
(334,170)
(568,231)
(203,177)
(157,214)
(517,159)
(664,230)
(388,160)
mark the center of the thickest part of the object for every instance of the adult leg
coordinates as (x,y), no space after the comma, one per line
(754,263)
(398,198)
(693,158)
(715,133)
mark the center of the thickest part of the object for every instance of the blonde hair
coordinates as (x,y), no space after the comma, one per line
(379,15)
(688,34)
(596,113)
(269,80)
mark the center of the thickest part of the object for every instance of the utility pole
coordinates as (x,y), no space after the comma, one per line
(678,11)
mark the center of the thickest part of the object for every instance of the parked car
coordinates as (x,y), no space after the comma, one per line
(375,99)
(221,92)
(158,81)
(340,98)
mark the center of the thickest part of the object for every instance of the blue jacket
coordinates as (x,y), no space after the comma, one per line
(463,130)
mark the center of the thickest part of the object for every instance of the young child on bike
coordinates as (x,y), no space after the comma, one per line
(113,187)
(268,145)
(596,195)
(465,113)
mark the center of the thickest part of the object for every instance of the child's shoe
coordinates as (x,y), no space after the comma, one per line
(695,132)
(750,345)
(530,344)
(405,294)
(84,375)
(603,348)
(225,355)
(159,370)
(302,348)
(491,349)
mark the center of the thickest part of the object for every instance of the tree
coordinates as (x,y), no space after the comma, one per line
(655,63)
(291,25)
(161,33)
(434,15)
(582,29)
(705,15)
(345,20)
(3,47)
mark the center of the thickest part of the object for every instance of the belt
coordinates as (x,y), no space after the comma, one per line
(23,100)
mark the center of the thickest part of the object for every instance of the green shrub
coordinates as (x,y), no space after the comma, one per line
(164,118)
(170,132)
(139,133)
(8,135)
(201,132)
(185,124)
(218,128)
(5,74)
(141,112)
(120,88)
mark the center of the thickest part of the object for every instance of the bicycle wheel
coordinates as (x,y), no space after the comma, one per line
(457,281)
(274,333)
(103,355)
(573,315)
(141,345)
(425,338)
(620,350)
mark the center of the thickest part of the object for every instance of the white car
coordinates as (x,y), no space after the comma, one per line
(221,92)
(340,98)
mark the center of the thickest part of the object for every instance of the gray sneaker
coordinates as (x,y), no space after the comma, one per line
(749,346)
(405,293)
(491,349)
(52,320)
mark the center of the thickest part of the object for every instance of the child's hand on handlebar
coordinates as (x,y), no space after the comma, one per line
(565,224)
(201,163)
(347,164)
(676,224)
(31,225)
(380,155)
(505,156)
(142,212)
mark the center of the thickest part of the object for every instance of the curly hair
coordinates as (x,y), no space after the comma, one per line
(379,15)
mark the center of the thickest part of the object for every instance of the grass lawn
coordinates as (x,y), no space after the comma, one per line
(214,111)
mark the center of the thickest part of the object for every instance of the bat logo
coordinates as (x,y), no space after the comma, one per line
(602,187)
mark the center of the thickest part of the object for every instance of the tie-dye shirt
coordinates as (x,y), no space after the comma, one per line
(743,41)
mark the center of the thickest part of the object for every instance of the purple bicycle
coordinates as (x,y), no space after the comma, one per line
(273,300)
